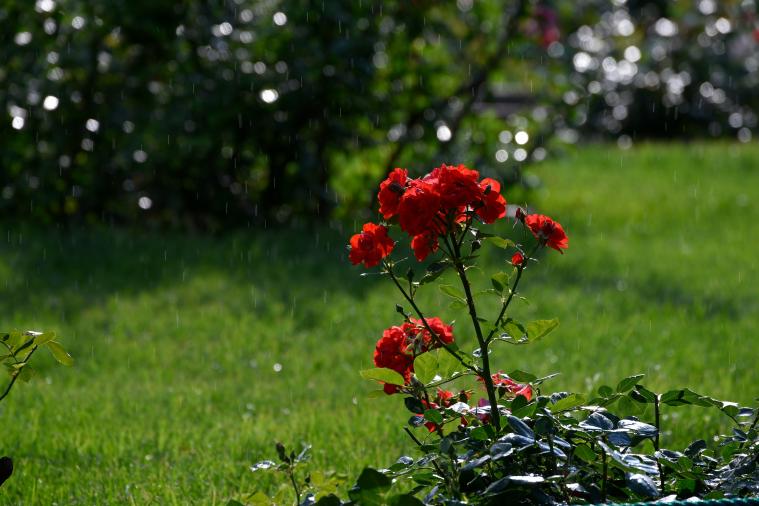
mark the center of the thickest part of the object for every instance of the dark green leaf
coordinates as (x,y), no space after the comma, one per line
(605,391)
(404,500)
(519,427)
(414,405)
(434,416)
(628,383)
(372,479)
(328,500)
(584,452)
(642,485)
(434,271)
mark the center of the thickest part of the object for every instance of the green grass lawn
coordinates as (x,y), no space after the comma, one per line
(176,338)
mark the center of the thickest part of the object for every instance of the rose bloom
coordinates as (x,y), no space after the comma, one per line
(418,208)
(501,380)
(391,353)
(493,204)
(457,186)
(370,246)
(424,244)
(517,259)
(416,328)
(548,231)
(390,192)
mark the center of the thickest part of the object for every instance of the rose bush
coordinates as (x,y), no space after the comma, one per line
(487,437)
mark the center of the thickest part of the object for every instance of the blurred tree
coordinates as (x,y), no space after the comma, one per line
(210,114)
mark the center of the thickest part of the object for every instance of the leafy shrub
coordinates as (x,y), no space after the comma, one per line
(501,438)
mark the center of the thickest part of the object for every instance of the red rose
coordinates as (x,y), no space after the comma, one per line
(501,380)
(493,204)
(547,231)
(424,244)
(443,331)
(418,208)
(391,191)
(416,328)
(517,259)
(390,352)
(458,187)
(371,245)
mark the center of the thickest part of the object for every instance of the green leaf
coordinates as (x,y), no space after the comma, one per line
(384,375)
(452,292)
(500,281)
(605,391)
(585,452)
(569,402)
(26,374)
(59,353)
(643,395)
(403,500)
(437,362)
(629,383)
(372,479)
(500,242)
(434,270)
(433,415)
(515,331)
(522,376)
(457,304)
(44,338)
(479,434)
(540,328)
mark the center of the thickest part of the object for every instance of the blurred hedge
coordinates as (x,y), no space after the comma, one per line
(209,114)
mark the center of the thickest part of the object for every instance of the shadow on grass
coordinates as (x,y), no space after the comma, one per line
(60,273)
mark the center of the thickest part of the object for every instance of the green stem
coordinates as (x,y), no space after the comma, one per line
(657,424)
(486,376)
(15,376)
(418,311)
(513,291)
(291,472)
(605,475)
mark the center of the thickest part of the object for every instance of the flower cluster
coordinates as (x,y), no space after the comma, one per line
(431,206)
(399,345)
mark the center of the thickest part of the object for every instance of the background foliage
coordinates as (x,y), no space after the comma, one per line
(225,113)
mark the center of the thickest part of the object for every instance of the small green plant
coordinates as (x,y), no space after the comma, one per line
(18,349)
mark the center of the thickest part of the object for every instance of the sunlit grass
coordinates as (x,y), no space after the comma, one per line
(175,393)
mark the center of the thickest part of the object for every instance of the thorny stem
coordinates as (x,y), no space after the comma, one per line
(505,306)
(291,473)
(751,427)
(425,323)
(605,475)
(495,415)
(657,423)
